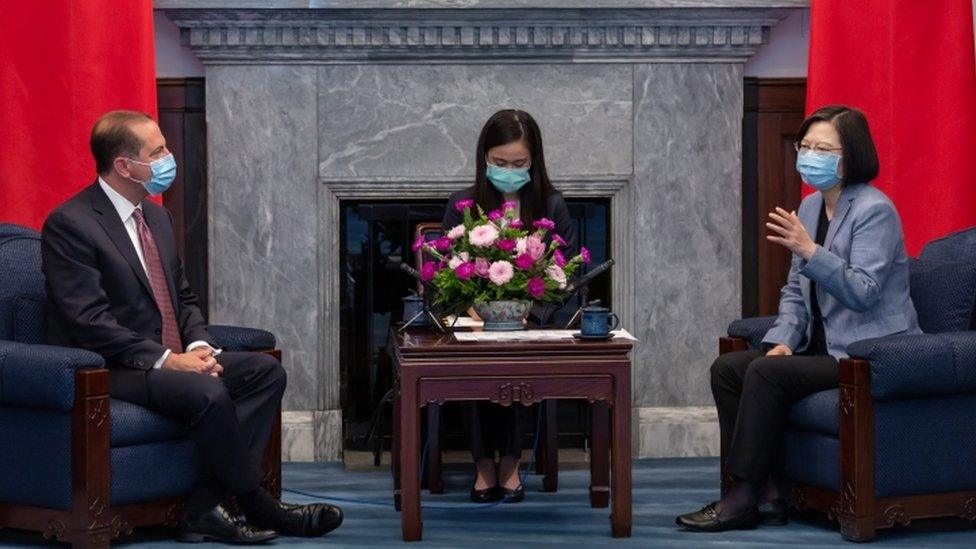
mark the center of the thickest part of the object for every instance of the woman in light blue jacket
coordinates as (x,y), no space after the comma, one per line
(848,281)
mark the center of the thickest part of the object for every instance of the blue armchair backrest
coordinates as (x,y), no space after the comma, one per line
(956,247)
(21,285)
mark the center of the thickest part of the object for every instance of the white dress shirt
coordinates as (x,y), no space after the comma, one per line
(125,209)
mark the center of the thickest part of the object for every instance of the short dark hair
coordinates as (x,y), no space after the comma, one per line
(860,157)
(112,136)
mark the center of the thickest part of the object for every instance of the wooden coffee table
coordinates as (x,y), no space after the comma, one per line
(433,368)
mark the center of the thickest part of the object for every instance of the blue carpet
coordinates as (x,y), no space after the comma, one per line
(663,488)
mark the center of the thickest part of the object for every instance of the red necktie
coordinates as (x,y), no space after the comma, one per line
(154,267)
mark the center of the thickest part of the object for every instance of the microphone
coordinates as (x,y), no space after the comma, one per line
(541,313)
(588,277)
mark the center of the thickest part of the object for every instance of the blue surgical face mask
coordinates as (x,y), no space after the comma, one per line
(508,181)
(163,174)
(819,170)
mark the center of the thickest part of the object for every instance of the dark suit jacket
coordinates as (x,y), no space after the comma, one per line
(98,294)
(556,210)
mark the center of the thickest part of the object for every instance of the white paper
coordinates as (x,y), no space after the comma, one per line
(531,335)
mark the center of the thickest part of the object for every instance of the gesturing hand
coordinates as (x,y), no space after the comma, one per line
(779,350)
(790,233)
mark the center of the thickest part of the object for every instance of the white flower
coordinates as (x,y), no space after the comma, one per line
(456,233)
(556,273)
(520,246)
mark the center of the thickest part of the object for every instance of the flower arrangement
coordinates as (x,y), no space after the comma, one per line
(494,257)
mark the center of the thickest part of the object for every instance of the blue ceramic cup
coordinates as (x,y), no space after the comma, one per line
(598,322)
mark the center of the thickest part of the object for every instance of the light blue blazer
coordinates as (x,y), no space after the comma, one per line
(861,273)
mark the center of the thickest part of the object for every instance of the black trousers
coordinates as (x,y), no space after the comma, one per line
(493,428)
(229,418)
(753,393)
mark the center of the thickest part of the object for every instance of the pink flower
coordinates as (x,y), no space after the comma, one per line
(558,240)
(481,266)
(559,258)
(585,254)
(464,271)
(557,274)
(516,224)
(419,243)
(524,262)
(428,271)
(443,244)
(509,205)
(544,223)
(500,272)
(462,205)
(495,215)
(535,247)
(536,287)
(506,245)
(483,236)
(456,233)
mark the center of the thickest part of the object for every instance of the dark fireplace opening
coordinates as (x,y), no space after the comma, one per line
(375,237)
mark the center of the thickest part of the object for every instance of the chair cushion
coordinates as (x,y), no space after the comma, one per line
(30,320)
(818,413)
(922,446)
(132,425)
(35,450)
(959,246)
(151,471)
(20,274)
(944,294)
(811,458)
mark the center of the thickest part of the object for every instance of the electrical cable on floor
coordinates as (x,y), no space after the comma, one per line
(423,464)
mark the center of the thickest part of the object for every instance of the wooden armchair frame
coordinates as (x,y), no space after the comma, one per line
(857,510)
(91,521)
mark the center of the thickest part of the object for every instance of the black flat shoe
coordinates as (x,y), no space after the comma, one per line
(707,519)
(488,495)
(513,496)
(773,512)
(219,525)
(308,521)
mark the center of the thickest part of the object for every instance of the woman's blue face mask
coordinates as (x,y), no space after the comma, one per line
(819,169)
(507,181)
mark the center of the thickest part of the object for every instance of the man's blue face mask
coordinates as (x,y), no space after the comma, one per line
(163,174)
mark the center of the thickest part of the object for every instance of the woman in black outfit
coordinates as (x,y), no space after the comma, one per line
(511,166)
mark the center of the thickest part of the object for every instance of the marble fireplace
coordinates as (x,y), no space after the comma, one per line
(312,102)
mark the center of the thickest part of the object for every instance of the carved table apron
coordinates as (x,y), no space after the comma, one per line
(433,368)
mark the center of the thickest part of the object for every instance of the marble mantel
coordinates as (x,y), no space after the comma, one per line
(311,102)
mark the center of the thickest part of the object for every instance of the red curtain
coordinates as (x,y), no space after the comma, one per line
(63,63)
(909,65)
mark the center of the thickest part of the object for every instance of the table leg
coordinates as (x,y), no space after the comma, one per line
(550,482)
(435,483)
(540,452)
(395,450)
(410,460)
(620,516)
(600,455)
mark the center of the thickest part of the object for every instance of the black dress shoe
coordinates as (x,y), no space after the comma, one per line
(707,519)
(219,525)
(488,495)
(309,521)
(513,496)
(773,512)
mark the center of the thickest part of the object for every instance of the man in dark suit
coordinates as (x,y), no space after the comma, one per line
(115,285)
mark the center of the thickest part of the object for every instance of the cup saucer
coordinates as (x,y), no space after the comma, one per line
(604,337)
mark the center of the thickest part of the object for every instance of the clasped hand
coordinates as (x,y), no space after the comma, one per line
(790,233)
(199,360)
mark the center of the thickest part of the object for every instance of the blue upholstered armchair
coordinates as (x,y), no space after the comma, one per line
(78,466)
(897,440)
